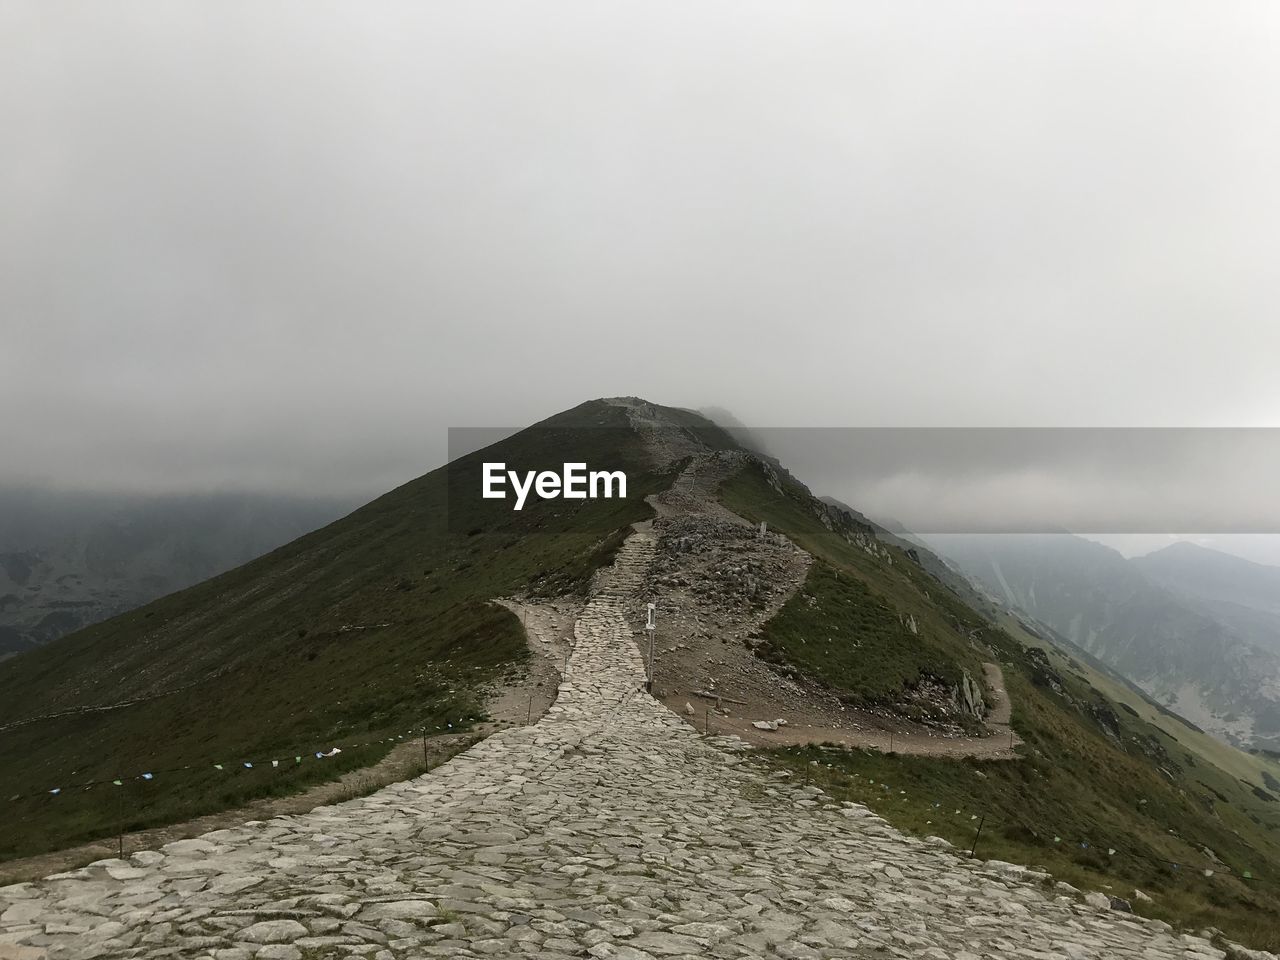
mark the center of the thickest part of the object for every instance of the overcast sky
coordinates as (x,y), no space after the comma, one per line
(284,246)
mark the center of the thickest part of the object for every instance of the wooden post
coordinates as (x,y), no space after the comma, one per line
(426,764)
(649,683)
(651,626)
(978,834)
(120,810)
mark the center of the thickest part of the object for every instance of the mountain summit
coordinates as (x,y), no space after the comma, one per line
(782,624)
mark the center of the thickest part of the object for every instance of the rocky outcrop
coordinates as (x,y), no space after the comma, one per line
(968,696)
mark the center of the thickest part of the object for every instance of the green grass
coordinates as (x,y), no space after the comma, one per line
(1090,770)
(1252,767)
(374,624)
(847,626)
(836,629)
(1079,790)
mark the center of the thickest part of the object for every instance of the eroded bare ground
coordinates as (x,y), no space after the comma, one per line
(717,580)
(524,695)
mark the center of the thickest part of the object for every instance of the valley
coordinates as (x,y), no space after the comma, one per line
(1197,630)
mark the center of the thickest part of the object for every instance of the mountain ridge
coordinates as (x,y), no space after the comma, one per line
(386,620)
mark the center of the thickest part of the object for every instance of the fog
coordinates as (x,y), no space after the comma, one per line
(284,247)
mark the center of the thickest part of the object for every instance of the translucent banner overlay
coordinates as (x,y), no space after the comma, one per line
(995,479)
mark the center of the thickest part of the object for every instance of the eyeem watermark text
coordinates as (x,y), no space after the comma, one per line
(574,482)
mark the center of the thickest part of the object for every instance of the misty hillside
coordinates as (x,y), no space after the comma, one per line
(1184,624)
(1241,594)
(383,621)
(378,621)
(68,560)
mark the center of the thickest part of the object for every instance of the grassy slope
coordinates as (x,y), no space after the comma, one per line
(264,658)
(846,626)
(1245,766)
(1075,781)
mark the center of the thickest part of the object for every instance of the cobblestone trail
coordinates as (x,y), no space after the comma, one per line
(608,829)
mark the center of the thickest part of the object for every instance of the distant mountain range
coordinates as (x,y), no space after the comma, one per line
(68,560)
(1197,629)
(1243,595)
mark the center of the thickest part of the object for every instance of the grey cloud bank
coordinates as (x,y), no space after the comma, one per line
(1029,480)
(285,247)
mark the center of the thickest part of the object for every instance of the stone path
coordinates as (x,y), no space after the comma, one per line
(608,829)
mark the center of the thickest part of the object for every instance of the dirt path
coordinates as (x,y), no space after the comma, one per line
(549,628)
(863,729)
(717,579)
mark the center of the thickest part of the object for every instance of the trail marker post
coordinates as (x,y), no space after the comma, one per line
(120,815)
(651,626)
(974,849)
